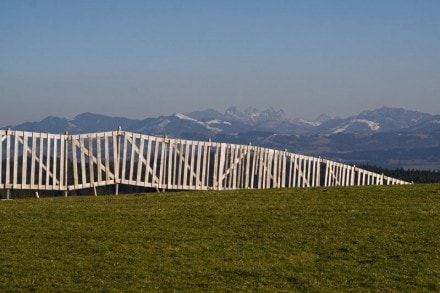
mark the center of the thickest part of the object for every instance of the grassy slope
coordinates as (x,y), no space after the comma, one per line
(318,239)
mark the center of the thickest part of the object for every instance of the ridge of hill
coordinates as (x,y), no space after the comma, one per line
(387,137)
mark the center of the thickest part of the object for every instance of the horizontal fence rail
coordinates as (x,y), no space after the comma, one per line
(42,161)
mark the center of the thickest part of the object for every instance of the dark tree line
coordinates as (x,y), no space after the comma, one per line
(412,175)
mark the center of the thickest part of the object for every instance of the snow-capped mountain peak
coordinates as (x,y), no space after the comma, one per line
(252,116)
(358,124)
(184,117)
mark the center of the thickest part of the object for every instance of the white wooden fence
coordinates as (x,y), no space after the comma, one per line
(42,161)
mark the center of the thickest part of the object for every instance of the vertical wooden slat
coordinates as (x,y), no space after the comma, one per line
(304,171)
(340,174)
(268,166)
(295,170)
(236,166)
(54,162)
(173,146)
(156,153)
(40,162)
(191,169)
(241,157)
(333,174)
(116,146)
(280,168)
(16,142)
(253,158)
(248,167)
(263,168)
(62,164)
(222,164)
(283,170)
(33,158)
(204,165)
(48,153)
(215,166)
(309,172)
(260,168)
(300,180)
(147,181)
(66,162)
(99,159)
(132,158)
(289,163)
(231,163)
(240,161)
(337,174)
(90,160)
(75,163)
(223,176)
(312,177)
(344,169)
(107,159)
(185,164)
(162,162)
(275,169)
(315,173)
(181,161)
(171,157)
(8,158)
(124,159)
(349,174)
(254,169)
(208,163)
(230,166)
(354,175)
(198,162)
(175,163)
(83,161)
(260,162)
(24,160)
(318,172)
(140,162)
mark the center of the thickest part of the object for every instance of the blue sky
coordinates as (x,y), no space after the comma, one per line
(147,58)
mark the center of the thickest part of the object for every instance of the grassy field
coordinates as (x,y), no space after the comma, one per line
(319,240)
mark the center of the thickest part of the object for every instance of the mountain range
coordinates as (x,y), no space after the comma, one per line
(387,137)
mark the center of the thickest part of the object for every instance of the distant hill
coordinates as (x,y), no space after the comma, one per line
(387,137)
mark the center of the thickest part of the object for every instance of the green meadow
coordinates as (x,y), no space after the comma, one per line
(379,238)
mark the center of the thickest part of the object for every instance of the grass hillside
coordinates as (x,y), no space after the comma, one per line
(383,238)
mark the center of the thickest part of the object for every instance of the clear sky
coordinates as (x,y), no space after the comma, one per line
(147,58)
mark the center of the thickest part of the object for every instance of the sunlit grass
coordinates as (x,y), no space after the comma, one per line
(319,239)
